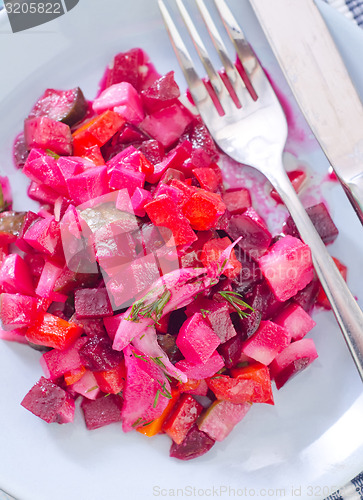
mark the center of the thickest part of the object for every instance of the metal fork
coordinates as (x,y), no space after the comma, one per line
(254,133)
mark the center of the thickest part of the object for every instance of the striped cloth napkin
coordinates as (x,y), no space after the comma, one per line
(352,9)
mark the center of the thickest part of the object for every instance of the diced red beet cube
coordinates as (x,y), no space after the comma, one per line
(237,201)
(16,310)
(322,221)
(97,354)
(123,99)
(102,411)
(182,418)
(287,266)
(296,357)
(256,237)
(88,185)
(153,150)
(49,402)
(201,370)
(197,133)
(20,151)
(221,418)
(168,124)
(92,303)
(43,132)
(296,321)
(267,342)
(67,106)
(196,340)
(231,350)
(15,276)
(162,93)
(203,209)
(125,67)
(306,297)
(173,160)
(195,444)
(297,178)
(212,252)
(163,212)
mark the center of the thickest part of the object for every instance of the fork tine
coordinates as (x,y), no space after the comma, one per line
(217,83)
(244,51)
(234,77)
(196,86)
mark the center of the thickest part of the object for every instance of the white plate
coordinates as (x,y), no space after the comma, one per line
(308,444)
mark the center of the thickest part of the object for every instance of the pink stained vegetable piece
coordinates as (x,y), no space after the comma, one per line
(42,193)
(125,178)
(57,362)
(201,370)
(72,165)
(295,358)
(43,169)
(123,99)
(49,402)
(196,340)
(87,386)
(139,199)
(102,411)
(287,266)
(168,124)
(147,391)
(267,342)
(256,237)
(92,303)
(50,273)
(112,323)
(296,321)
(88,185)
(16,310)
(15,276)
(43,132)
(221,418)
(17,335)
(45,237)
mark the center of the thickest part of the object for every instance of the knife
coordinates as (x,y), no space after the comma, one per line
(319,80)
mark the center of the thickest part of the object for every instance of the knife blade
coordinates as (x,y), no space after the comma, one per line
(320,82)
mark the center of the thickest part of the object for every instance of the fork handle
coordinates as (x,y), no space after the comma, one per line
(345,307)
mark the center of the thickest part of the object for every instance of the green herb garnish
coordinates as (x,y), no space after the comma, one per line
(163,392)
(92,388)
(204,312)
(52,153)
(149,307)
(235,299)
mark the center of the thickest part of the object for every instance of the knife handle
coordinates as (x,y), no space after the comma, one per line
(346,309)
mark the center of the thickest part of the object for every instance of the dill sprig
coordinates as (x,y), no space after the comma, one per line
(163,392)
(235,299)
(148,308)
